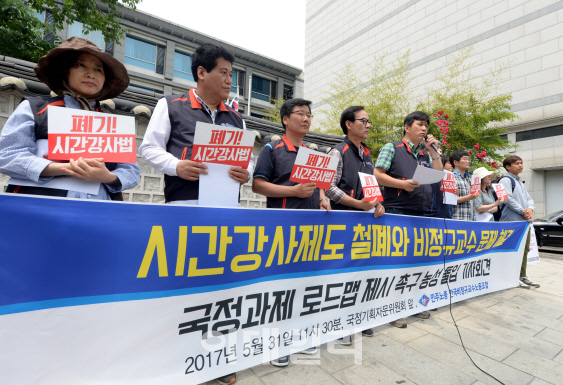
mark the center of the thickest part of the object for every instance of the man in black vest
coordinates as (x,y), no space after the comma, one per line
(353,156)
(167,144)
(273,170)
(395,168)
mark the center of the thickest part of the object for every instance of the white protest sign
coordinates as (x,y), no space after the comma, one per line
(314,167)
(534,253)
(224,145)
(370,187)
(500,191)
(88,134)
(475,185)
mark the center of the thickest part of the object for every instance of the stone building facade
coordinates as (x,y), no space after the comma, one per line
(527,33)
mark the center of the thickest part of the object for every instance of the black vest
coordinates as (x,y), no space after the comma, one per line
(184,111)
(40,113)
(352,163)
(403,167)
(284,154)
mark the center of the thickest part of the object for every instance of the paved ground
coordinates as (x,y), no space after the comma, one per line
(515,335)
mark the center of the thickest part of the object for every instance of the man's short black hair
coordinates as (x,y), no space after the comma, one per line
(457,155)
(349,114)
(417,115)
(288,106)
(510,160)
(206,56)
(446,159)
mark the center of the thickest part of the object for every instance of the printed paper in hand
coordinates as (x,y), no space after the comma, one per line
(88,134)
(500,191)
(217,188)
(224,145)
(370,187)
(475,185)
(425,175)
(482,217)
(450,199)
(534,253)
(314,167)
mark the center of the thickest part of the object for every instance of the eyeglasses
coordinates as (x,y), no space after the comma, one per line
(364,121)
(303,115)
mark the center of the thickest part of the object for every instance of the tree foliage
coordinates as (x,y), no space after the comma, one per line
(21,33)
(476,114)
(273,115)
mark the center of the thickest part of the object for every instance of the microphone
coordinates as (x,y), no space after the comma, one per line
(433,145)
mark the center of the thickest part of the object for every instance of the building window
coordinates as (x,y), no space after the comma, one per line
(96,37)
(47,17)
(538,134)
(109,48)
(235,82)
(261,88)
(287,92)
(183,66)
(144,54)
(241,81)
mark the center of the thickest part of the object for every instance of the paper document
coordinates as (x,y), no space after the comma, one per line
(484,217)
(58,182)
(450,199)
(425,175)
(217,188)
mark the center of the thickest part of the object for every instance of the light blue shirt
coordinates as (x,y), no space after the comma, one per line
(18,159)
(518,201)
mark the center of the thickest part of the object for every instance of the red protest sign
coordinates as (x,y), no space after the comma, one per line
(225,145)
(88,134)
(370,187)
(313,167)
(448,183)
(475,185)
(500,191)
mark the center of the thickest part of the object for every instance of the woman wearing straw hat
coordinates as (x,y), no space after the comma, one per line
(81,75)
(485,202)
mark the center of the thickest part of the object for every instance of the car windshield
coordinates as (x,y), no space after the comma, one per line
(550,217)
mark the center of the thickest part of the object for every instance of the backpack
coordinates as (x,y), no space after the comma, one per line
(498,213)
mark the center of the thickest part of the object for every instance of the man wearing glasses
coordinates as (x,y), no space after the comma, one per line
(395,168)
(273,170)
(463,211)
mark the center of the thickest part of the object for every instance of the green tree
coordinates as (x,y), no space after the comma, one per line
(273,115)
(385,95)
(21,33)
(475,114)
(476,117)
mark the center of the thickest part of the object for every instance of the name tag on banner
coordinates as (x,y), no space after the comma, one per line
(88,134)
(370,187)
(223,145)
(475,185)
(313,167)
(500,191)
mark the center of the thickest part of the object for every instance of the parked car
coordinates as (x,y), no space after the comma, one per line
(549,230)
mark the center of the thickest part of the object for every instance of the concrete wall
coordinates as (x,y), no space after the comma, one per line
(151,186)
(528,33)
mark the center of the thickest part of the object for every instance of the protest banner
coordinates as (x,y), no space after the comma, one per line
(475,185)
(314,167)
(370,187)
(221,144)
(89,134)
(500,191)
(97,292)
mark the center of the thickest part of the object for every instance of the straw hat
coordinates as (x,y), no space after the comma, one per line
(50,71)
(482,172)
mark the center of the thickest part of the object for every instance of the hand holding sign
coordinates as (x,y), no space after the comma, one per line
(313,167)
(370,187)
(500,191)
(475,185)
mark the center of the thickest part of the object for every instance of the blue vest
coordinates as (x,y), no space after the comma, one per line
(184,111)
